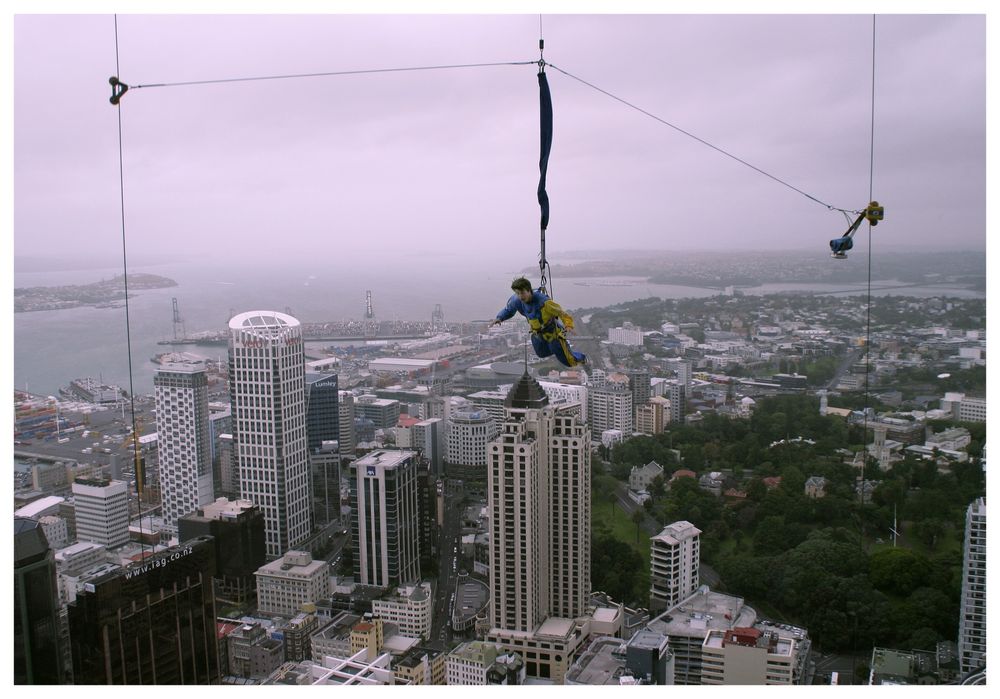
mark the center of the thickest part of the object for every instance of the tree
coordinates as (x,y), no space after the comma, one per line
(770,536)
(756,490)
(637,518)
(929,531)
(890,493)
(657,488)
(898,571)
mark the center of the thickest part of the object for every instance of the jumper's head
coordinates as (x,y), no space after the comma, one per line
(522,287)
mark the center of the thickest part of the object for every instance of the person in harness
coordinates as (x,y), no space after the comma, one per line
(548,321)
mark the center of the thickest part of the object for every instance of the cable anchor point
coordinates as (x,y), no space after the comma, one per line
(541,56)
(118,88)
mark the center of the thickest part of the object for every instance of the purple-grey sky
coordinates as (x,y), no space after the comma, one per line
(396,165)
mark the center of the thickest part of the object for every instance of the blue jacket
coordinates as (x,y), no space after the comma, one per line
(545,316)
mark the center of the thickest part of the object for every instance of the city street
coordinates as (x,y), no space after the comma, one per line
(449,562)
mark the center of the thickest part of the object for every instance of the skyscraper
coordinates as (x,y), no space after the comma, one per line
(322,409)
(38,657)
(150,623)
(972,619)
(385,529)
(101,511)
(266,378)
(323,435)
(539,497)
(638,380)
(183,442)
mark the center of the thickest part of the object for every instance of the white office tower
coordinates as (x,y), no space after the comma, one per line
(539,495)
(385,528)
(610,409)
(267,383)
(972,619)
(345,415)
(101,511)
(627,334)
(683,369)
(183,444)
(469,431)
(674,559)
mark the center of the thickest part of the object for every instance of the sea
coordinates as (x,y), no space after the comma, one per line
(53,347)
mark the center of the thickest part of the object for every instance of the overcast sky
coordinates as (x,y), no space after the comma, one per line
(395,165)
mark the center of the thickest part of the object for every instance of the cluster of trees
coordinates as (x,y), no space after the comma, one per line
(618,569)
(826,563)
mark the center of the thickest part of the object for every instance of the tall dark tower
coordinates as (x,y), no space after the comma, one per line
(237,528)
(322,409)
(150,623)
(37,656)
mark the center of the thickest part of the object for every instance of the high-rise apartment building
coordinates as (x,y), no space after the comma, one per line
(150,623)
(385,528)
(38,657)
(610,409)
(101,511)
(184,445)
(638,381)
(539,497)
(267,383)
(675,554)
(972,619)
(653,416)
(677,393)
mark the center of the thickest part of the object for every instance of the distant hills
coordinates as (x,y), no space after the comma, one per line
(104,293)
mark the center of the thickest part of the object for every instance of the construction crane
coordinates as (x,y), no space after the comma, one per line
(178,321)
(132,442)
(370,324)
(437,318)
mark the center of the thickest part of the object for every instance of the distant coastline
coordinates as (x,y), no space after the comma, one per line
(106,293)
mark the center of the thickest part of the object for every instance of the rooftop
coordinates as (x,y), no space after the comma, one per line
(556,626)
(526,394)
(678,531)
(36,508)
(602,664)
(703,611)
(262,320)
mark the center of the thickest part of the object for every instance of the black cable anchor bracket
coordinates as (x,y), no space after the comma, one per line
(118,88)
(873,213)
